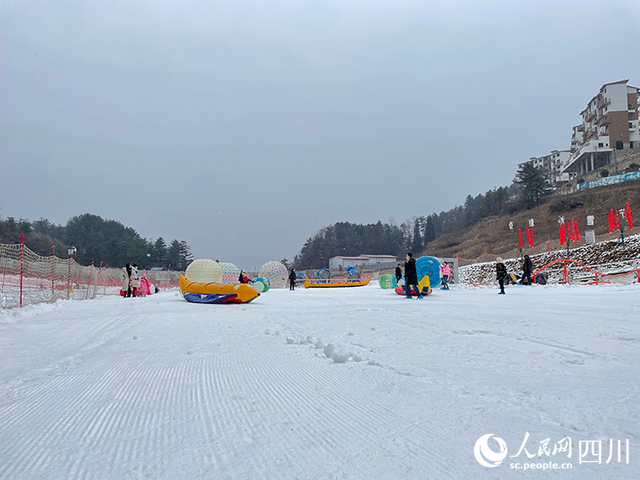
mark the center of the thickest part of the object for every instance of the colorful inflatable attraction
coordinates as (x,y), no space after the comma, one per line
(428,269)
(424,286)
(217,292)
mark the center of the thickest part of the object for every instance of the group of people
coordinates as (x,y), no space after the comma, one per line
(411,275)
(130,280)
(502,275)
(132,286)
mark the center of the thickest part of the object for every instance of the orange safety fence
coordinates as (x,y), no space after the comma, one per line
(597,275)
(27,278)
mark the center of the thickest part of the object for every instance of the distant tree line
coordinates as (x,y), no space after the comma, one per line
(96,239)
(350,239)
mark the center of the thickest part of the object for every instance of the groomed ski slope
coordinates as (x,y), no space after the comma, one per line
(159,388)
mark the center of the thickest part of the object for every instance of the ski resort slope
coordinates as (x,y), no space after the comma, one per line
(160,388)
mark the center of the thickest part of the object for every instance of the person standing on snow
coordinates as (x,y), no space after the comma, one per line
(445,271)
(398,274)
(135,283)
(126,281)
(527,270)
(501,274)
(411,276)
(292,279)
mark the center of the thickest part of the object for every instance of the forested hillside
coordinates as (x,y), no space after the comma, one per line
(480,223)
(96,239)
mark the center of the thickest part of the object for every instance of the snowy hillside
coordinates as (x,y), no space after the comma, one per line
(353,383)
(605,257)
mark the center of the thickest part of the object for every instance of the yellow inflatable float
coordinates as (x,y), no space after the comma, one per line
(217,292)
(328,284)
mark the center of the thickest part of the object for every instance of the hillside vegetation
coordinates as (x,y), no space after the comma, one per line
(493,233)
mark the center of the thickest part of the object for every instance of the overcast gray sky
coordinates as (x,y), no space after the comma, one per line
(243,127)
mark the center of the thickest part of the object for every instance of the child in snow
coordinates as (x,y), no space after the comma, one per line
(501,274)
(445,271)
(398,274)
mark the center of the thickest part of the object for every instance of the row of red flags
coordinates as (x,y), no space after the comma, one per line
(614,219)
(569,231)
(529,232)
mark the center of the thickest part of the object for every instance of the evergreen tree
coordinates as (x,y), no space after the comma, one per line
(533,184)
(417,244)
(159,253)
(429,230)
(179,255)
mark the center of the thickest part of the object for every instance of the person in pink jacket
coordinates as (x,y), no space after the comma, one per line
(445,271)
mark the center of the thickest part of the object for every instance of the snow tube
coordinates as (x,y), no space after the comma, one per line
(429,266)
(402,291)
(261,284)
(323,274)
(353,274)
(244,293)
(386,281)
(209,298)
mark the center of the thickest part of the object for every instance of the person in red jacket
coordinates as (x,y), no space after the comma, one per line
(243,277)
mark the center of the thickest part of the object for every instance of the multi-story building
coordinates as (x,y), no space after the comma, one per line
(552,165)
(609,124)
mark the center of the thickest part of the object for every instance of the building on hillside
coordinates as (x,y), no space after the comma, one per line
(552,165)
(609,125)
(367,262)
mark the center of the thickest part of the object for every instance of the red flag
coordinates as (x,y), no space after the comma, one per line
(629,217)
(577,232)
(617,225)
(572,230)
(563,237)
(520,235)
(532,237)
(611,221)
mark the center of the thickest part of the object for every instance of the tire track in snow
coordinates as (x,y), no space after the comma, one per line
(275,390)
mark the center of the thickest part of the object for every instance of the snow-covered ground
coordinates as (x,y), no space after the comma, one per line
(160,388)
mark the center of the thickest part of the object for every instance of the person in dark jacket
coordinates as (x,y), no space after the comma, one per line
(501,274)
(527,270)
(398,274)
(411,276)
(292,279)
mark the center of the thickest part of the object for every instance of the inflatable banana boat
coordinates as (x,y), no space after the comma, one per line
(217,292)
(320,284)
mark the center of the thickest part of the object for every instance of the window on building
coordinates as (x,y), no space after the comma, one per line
(630,125)
(601,144)
(630,144)
(619,145)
